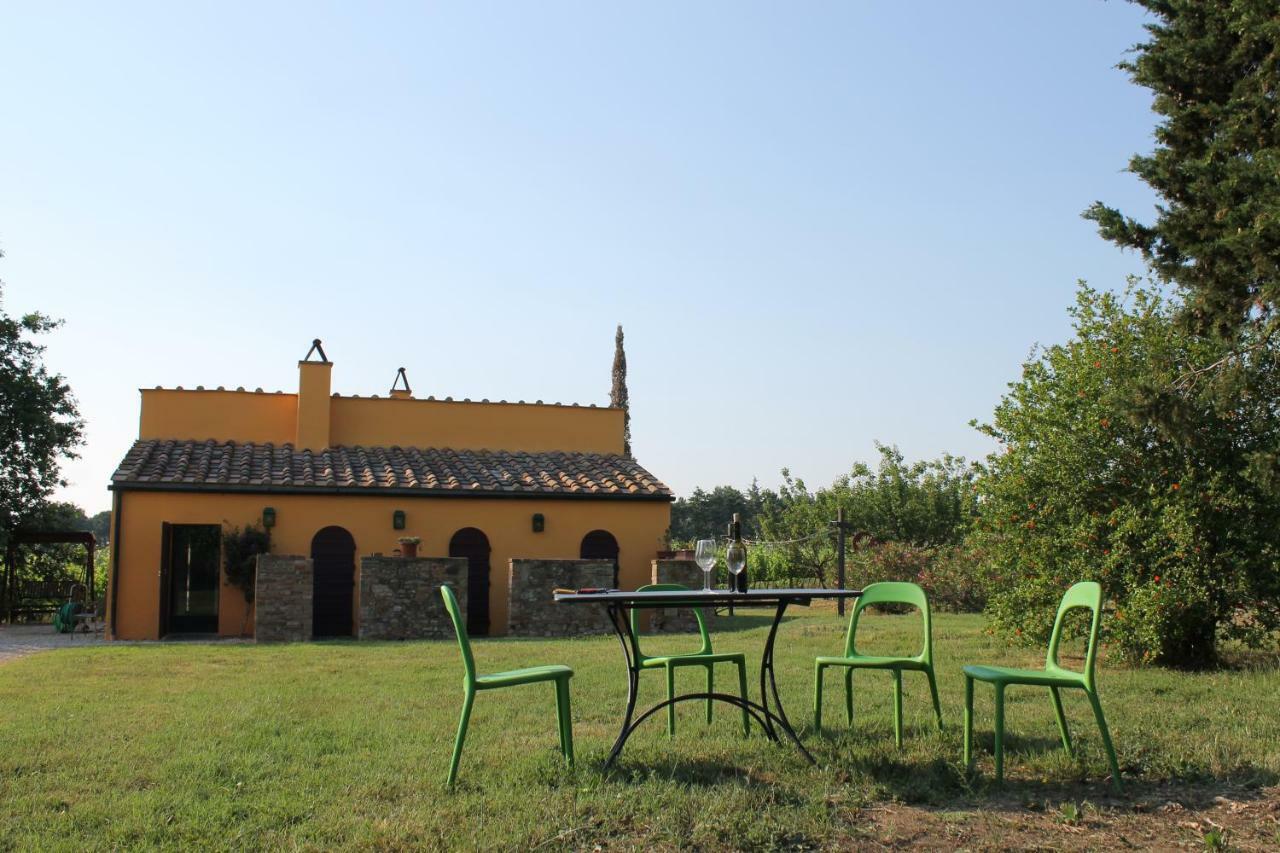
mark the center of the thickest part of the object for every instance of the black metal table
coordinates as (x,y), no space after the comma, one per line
(618,606)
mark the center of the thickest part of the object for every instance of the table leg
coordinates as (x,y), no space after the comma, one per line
(766,672)
(618,617)
(622,627)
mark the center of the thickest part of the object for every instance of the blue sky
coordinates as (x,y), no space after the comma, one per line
(821,224)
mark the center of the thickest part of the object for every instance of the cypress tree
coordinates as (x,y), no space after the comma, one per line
(618,397)
(1214,71)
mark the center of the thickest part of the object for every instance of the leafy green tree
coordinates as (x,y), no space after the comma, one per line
(704,513)
(1179,526)
(1214,71)
(924,504)
(40,425)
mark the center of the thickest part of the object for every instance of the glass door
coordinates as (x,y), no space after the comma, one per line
(195,555)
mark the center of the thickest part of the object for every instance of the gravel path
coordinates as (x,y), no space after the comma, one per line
(19,640)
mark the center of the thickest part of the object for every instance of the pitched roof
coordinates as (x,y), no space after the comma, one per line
(232,467)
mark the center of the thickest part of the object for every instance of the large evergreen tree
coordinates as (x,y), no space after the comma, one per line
(39,423)
(1214,71)
(618,396)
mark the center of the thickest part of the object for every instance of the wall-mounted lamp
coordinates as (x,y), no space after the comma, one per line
(397,519)
(539,522)
(268,517)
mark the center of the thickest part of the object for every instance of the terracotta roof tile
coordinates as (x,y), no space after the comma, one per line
(231,465)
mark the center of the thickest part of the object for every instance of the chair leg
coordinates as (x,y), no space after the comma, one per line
(848,695)
(897,708)
(1062,720)
(671,694)
(564,716)
(817,697)
(711,688)
(999,734)
(467,702)
(968,722)
(933,690)
(1106,740)
(742,690)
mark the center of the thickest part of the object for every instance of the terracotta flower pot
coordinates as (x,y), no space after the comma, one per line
(409,550)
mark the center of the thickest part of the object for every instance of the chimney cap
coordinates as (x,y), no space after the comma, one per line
(401,376)
(317,349)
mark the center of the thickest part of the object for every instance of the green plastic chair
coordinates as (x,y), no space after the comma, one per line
(881,593)
(704,657)
(471,683)
(1087,595)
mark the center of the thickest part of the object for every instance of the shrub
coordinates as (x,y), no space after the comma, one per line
(1178,526)
(240,550)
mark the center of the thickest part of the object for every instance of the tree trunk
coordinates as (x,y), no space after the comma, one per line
(1193,647)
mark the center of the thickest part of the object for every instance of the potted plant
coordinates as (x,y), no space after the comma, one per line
(409,546)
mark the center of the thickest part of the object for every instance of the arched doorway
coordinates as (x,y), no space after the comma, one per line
(333,556)
(600,545)
(471,543)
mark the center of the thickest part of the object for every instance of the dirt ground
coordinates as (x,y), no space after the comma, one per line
(1176,818)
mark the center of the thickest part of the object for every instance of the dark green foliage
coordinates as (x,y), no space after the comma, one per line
(705,514)
(1214,71)
(619,398)
(922,503)
(99,524)
(240,549)
(40,425)
(1178,525)
(927,506)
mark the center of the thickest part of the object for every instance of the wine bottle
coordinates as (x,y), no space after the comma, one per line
(736,557)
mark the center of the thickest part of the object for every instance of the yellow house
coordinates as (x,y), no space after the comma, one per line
(335,477)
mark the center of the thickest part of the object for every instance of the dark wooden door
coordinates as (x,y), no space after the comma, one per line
(333,557)
(166,582)
(474,545)
(600,545)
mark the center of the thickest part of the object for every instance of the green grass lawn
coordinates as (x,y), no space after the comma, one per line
(347,744)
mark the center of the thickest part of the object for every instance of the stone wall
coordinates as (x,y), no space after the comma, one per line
(531,611)
(400,597)
(686,573)
(282,599)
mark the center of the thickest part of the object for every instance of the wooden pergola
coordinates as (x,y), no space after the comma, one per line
(43,595)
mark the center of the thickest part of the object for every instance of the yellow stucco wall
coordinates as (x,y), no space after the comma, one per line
(639,527)
(474,426)
(301,418)
(218,415)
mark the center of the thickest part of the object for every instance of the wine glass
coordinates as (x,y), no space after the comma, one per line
(706,558)
(735,558)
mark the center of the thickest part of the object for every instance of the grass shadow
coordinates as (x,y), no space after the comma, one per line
(944,785)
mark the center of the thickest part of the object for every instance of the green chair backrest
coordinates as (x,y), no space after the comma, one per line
(459,628)
(697,612)
(1086,594)
(892,592)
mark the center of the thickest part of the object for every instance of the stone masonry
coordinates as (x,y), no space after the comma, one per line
(400,597)
(282,598)
(531,611)
(685,573)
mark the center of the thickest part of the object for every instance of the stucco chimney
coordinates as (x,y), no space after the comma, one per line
(313,400)
(405,393)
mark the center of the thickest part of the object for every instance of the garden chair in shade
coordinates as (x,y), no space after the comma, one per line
(704,657)
(472,683)
(1086,595)
(881,593)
